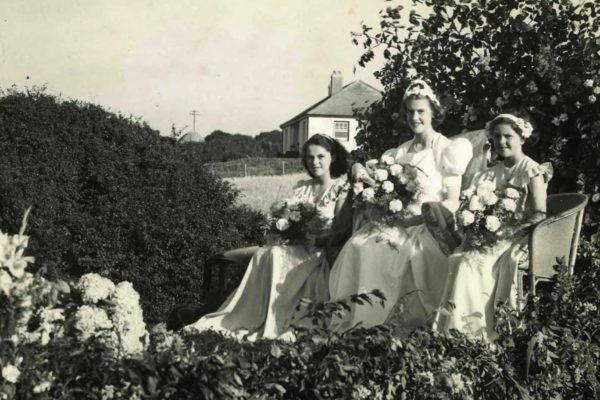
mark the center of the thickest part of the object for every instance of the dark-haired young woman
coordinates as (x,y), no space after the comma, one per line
(279,276)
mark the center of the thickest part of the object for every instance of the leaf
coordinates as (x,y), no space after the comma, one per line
(276,351)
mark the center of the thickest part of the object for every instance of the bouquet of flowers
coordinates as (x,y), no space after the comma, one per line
(488,214)
(292,221)
(396,193)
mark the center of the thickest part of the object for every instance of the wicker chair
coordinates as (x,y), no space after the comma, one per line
(556,237)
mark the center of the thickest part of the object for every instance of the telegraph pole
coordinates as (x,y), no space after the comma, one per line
(194,113)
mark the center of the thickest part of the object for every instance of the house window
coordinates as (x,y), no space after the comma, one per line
(341,130)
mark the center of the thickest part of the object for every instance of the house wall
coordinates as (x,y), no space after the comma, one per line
(326,125)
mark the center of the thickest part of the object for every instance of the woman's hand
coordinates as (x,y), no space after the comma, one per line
(360,174)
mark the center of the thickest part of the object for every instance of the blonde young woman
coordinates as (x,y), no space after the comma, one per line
(481,279)
(404,261)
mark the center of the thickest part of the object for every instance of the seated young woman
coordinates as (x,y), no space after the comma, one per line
(280,275)
(402,259)
(482,276)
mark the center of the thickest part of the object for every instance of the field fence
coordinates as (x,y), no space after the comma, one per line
(242,168)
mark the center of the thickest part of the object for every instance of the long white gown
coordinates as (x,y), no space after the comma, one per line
(277,278)
(479,280)
(415,261)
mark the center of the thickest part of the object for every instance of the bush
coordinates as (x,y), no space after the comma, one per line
(550,351)
(111,196)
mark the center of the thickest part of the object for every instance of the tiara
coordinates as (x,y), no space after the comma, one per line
(420,88)
(524,126)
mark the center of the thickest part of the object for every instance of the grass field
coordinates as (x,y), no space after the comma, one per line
(259,192)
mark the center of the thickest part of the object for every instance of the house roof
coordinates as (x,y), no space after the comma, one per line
(342,104)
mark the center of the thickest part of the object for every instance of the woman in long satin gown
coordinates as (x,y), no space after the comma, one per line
(480,279)
(404,261)
(279,276)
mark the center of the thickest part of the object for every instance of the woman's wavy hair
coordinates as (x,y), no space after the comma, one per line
(438,111)
(339,155)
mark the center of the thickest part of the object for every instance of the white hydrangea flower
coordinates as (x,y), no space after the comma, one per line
(90,319)
(597,90)
(588,83)
(11,373)
(592,98)
(509,204)
(553,99)
(282,224)
(563,117)
(381,175)
(358,187)
(492,223)
(556,121)
(396,206)
(489,198)
(403,178)
(94,288)
(128,318)
(512,193)
(467,217)
(387,160)
(295,216)
(387,186)
(396,169)
(475,204)
(368,194)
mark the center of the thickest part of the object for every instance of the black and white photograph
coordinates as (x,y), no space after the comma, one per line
(271,199)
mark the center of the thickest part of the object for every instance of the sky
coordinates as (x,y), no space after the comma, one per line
(245,66)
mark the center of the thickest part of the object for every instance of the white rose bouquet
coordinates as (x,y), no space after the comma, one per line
(396,193)
(488,214)
(291,221)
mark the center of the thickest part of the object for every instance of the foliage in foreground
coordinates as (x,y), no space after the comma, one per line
(551,350)
(110,196)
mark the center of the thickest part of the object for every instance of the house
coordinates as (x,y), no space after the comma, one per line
(333,115)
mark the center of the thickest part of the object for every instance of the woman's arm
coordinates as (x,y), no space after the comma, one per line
(359,173)
(451,200)
(537,200)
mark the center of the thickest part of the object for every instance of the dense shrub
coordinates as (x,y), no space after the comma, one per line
(111,196)
(552,350)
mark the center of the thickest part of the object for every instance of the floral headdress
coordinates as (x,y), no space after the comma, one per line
(420,88)
(524,126)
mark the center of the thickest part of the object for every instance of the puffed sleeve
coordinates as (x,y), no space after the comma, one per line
(530,170)
(456,157)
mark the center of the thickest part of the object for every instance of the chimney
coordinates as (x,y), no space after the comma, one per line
(336,83)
